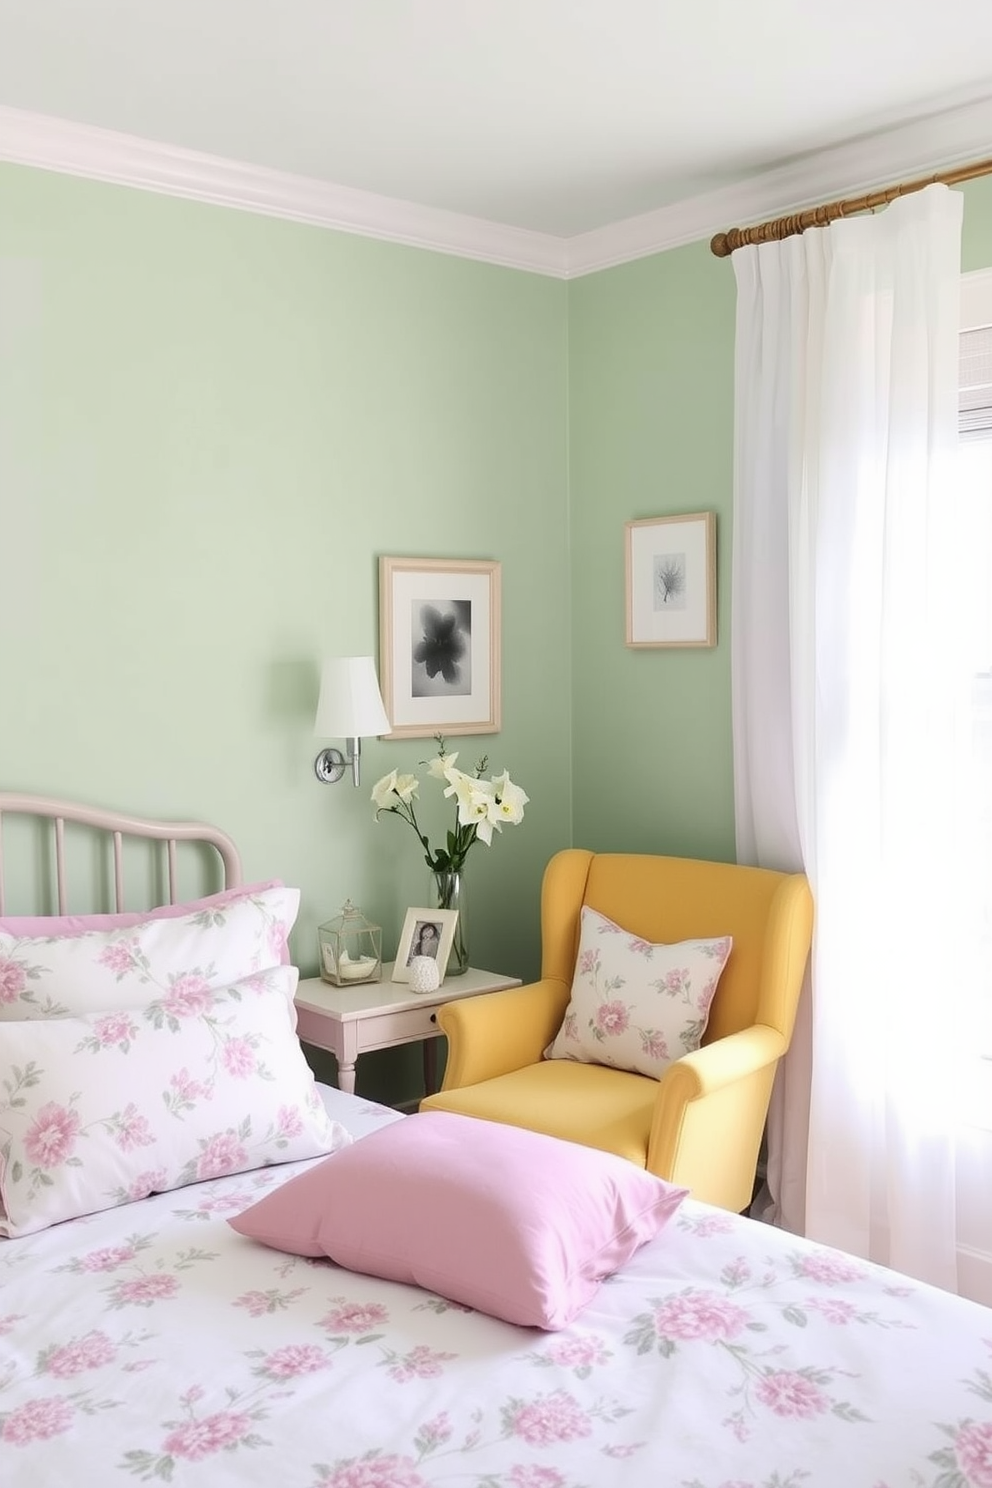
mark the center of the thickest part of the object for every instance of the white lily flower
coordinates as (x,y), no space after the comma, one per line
(511,800)
(473,806)
(439,766)
(459,784)
(383,789)
(406,787)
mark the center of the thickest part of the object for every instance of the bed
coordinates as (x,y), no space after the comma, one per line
(151,1341)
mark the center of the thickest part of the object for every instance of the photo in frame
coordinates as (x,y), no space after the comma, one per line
(426,932)
(671,580)
(439,646)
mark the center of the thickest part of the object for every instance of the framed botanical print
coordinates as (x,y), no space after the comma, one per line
(671,581)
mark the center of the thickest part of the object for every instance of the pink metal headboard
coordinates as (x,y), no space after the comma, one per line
(117,826)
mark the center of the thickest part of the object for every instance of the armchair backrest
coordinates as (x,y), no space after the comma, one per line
(769,915)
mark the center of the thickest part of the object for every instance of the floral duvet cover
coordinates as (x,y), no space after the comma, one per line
(153,1344)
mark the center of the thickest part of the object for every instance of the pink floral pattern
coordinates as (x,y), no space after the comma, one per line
(50,1140)
(973,1453)
(188,996)
(214,1433)
(13,979)
(115,1029)
(725,1355)
(580,1354)
(36,1420)
(354,1317)
(373,1470)
(548,1419)
(79,1354)
(634,1005)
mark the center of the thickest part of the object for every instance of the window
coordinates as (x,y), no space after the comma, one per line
(975,495)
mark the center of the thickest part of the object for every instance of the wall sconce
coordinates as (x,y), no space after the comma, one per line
(349,707)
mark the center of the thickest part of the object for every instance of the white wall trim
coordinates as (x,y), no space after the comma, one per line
(951,138)
(125,160)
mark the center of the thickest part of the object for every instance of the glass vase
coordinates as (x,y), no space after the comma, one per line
(448,891)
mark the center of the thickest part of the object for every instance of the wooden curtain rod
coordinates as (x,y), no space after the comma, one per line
(786,227)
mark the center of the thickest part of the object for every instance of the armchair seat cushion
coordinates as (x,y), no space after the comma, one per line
(586,1103)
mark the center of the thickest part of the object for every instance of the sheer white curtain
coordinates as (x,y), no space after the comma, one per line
(850,701)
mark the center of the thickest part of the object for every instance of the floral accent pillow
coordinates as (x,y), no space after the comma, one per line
(65,976)
(108,1108)
(635,1005)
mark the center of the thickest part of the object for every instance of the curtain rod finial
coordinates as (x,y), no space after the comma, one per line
(719,245)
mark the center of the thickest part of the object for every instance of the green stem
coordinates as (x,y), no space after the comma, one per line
(442,861)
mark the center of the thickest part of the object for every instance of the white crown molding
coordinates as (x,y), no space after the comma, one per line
(952,137)
(125,160)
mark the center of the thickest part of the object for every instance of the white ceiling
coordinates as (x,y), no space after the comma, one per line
(559,117)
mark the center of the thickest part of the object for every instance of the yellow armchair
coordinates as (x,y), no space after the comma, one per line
(701,1124)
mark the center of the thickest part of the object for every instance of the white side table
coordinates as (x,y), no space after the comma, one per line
(380,1015)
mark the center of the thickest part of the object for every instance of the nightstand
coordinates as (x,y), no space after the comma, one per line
(380,1015)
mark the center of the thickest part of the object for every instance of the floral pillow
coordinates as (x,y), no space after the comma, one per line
(64,976)
(635,1005)
(108,1108)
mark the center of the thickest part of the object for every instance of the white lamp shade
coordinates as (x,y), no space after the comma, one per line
(350,704)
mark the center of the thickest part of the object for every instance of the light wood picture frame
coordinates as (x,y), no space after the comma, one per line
(439,645)
(426,932)
(671,580)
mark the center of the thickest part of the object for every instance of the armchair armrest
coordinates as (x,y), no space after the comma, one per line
(500,1031)
(709,1115)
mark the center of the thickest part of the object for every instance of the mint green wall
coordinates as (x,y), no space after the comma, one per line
(651,348)
(211,424)
(976,237)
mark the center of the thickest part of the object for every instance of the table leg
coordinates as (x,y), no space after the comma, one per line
(346,1078)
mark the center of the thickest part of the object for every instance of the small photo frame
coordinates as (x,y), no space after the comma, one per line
(671,581)
(426,932)
(439,646)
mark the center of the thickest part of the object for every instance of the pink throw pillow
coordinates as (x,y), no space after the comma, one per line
(511,1222)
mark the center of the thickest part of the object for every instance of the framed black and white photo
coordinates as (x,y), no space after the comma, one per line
(671,581)
(426,932)
(439,645)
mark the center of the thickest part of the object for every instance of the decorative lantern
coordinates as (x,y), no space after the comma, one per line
(350,948)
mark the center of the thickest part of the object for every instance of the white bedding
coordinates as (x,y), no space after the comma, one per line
(153,1343)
